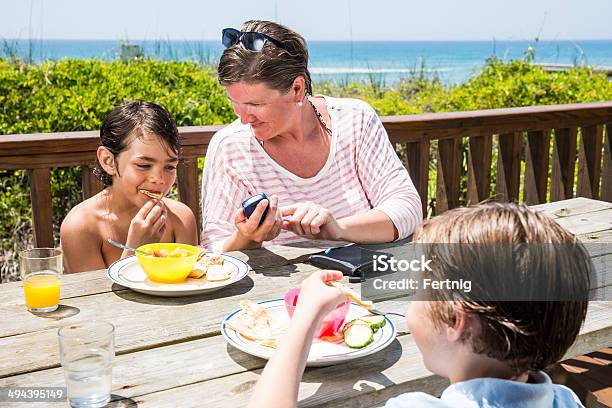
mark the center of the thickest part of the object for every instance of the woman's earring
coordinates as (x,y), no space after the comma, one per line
(300,104)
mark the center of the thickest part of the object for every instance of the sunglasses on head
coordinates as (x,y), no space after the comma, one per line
(251,40)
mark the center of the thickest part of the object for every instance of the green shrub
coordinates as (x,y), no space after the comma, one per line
(73,95)
(497,85)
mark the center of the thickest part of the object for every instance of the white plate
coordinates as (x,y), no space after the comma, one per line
(322,353)
(127,272)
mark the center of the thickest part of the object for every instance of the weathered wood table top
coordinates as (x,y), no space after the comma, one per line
(170,353)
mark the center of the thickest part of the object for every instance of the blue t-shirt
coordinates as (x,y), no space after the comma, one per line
(493,392)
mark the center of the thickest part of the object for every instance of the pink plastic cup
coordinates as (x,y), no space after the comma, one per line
(331,324)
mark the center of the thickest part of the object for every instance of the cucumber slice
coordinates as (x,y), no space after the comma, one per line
(352,322)
(358,334)
(375,321)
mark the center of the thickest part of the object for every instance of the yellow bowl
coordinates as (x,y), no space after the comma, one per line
(167,270)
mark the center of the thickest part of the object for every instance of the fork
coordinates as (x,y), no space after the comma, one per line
(381,313)
(118,245)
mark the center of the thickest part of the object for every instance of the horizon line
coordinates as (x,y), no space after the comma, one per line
(319,40)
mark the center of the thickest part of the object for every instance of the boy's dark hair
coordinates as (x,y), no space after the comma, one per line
(135,119)
(274,66)
(527,335)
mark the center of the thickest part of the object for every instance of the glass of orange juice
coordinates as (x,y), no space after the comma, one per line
(41,269)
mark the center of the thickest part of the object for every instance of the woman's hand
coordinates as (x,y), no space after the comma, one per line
(316,297)
(249,228)
(312,221)
(148,225)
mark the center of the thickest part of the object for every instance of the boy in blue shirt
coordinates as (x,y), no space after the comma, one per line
(492,349)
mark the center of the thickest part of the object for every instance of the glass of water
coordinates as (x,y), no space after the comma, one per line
(86,351)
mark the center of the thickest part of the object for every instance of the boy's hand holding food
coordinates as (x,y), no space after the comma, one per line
(317,298)
(250,229)
(148,225)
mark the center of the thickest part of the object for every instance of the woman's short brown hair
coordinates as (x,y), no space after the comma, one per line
(528,335)
(274,66)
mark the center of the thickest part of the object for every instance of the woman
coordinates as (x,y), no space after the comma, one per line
(326,163)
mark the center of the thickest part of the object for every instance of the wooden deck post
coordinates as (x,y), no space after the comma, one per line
(589,161)
(536,167)
(479,168)
(418,167)
(189,188)
(508,167)
(42,209)
(449,174)
(563,164)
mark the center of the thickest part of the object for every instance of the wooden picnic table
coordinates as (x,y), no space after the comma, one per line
(169,351)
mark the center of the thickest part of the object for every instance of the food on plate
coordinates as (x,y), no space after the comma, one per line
(331,324)
(375,321)
(160,267)
(179,252)
(163,253)
(359,332)
(354,296)
(151,194)
(159,253)
(197,272)
(271,342)
(215,260)
(254,323)
(254,315)
(217,273)
(202,253)
(213,268)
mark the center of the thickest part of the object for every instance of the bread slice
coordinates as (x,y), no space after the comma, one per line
(354,296)
(155,196)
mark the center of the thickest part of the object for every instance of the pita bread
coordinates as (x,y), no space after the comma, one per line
(213,268)
(254,315)
(197,272)
(215,260)
(255,321)
(354,296)
(150,194)
(249,334)
(255,324)
(217,273)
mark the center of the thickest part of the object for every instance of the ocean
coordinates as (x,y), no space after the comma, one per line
(384,62)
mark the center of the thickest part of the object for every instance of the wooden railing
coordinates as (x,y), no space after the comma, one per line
(580,133)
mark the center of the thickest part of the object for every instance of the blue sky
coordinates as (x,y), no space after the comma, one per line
(314,19)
